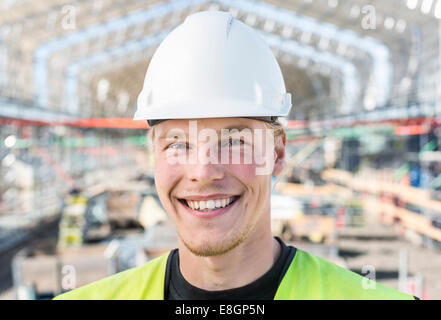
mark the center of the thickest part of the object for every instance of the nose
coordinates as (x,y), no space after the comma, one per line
(204,173)
(205,168)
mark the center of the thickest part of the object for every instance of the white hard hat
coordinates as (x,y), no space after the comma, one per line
(211,66)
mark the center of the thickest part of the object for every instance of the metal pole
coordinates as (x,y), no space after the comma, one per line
(438,85)
(403,270)
(16,274)
(419,285)
(58,268)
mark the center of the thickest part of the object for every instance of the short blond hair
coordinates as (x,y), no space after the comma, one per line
(277,127)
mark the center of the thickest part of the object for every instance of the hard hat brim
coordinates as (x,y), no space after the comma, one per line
(214,109)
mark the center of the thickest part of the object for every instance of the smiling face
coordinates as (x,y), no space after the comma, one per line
(215,202)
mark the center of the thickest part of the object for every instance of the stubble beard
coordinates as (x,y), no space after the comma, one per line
(207,249)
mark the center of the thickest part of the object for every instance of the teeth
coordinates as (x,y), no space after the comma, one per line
(209,204)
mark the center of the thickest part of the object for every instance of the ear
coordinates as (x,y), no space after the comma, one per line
(279,154)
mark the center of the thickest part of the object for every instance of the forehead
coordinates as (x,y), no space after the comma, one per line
(216,124)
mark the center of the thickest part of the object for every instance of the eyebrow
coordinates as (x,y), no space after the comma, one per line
(239,127)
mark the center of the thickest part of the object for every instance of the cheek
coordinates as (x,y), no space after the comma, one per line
(257,185)
(246,174)
(165,175)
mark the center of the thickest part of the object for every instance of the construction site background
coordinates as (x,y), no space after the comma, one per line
(362,183)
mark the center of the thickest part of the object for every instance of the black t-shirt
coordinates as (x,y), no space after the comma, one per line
(264,288)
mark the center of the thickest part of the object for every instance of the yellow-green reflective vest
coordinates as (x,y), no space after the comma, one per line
(308,277)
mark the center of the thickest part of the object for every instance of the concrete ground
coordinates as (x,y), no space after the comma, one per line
(380,246)
(46,233)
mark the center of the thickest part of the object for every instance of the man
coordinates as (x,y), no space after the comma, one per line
(212,95)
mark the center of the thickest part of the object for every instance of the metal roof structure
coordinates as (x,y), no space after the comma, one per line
(338,57)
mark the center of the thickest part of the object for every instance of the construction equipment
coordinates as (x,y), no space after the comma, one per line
(73,222)
(291,218)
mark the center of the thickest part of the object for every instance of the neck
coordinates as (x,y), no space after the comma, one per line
(238,267)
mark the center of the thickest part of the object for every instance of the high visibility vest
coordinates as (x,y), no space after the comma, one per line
(307,278)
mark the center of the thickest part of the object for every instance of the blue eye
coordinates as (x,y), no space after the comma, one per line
(236,142)
(177,145)
(232,142)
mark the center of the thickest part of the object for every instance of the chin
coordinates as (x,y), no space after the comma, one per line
(209,247)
